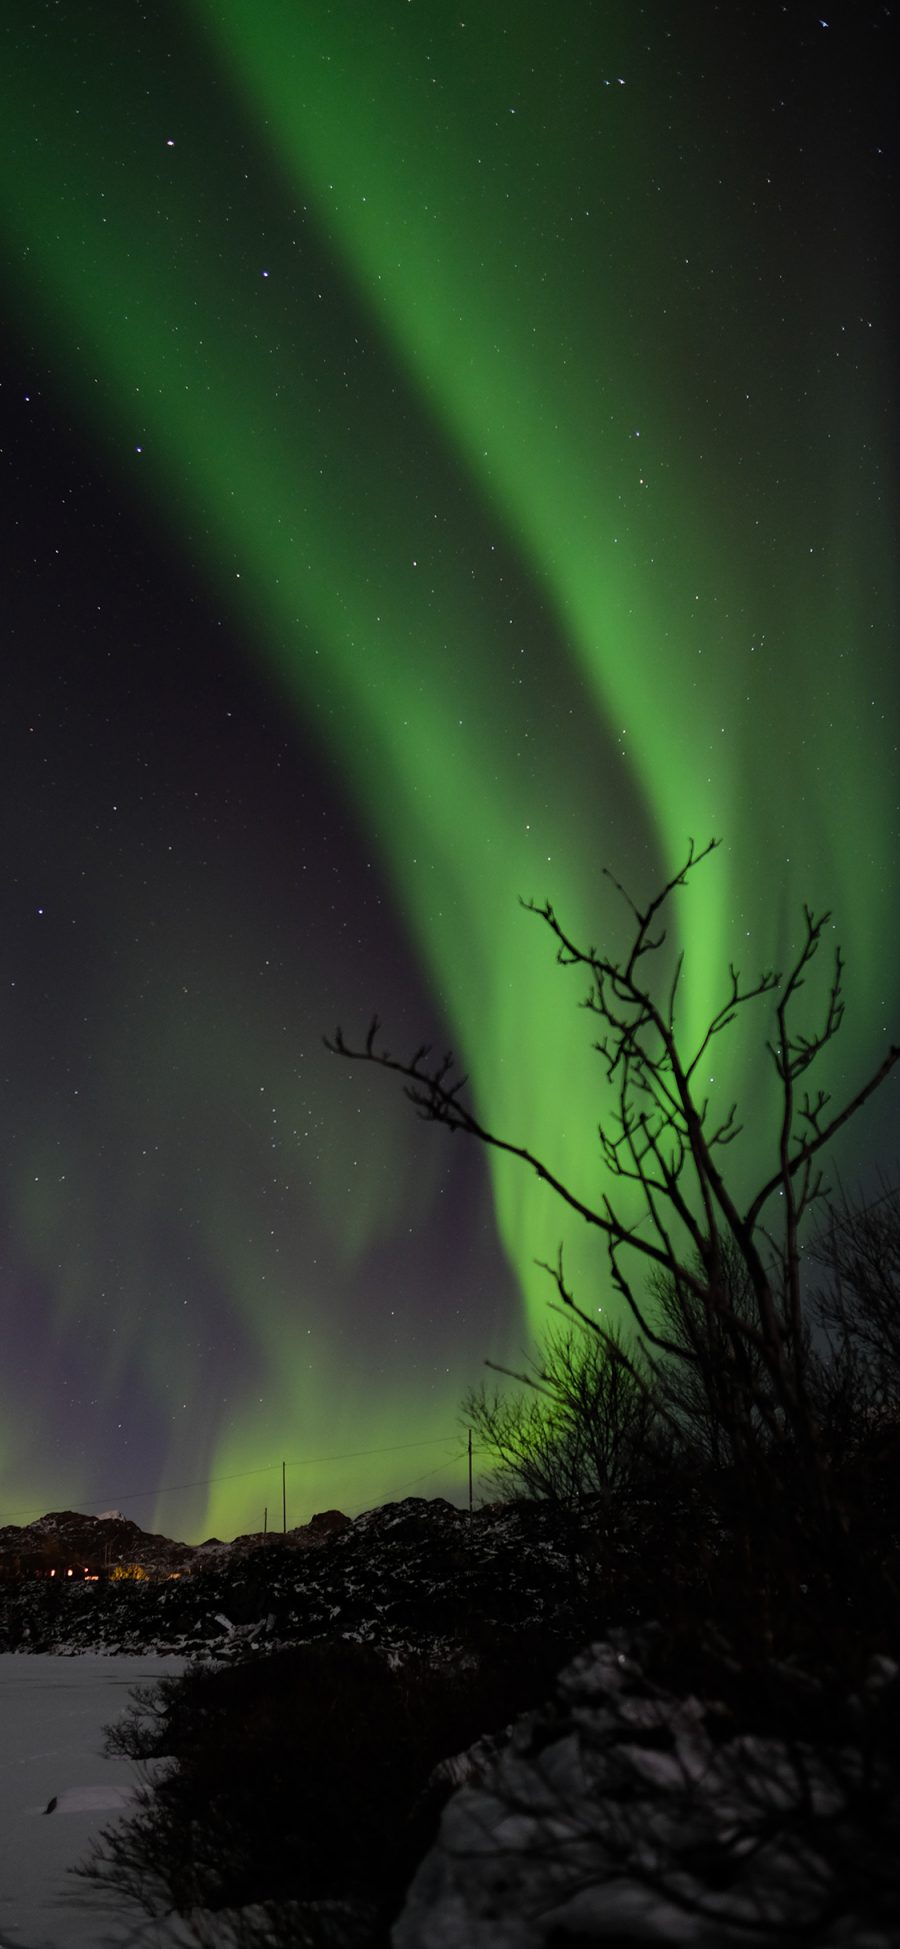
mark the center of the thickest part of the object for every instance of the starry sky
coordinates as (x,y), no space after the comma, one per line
(444,453)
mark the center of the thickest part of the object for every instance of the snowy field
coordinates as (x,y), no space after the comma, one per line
(52,1714)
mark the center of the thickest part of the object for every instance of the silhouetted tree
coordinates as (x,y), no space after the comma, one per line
(661,1141)
(707,1395)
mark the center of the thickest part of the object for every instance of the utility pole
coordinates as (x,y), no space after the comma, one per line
(284,1497)
(470,1471)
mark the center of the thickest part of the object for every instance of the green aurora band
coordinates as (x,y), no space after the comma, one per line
(496,264)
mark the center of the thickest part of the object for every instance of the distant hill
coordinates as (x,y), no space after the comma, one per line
(65,1542)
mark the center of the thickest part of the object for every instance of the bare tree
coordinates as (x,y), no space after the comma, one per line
(661,1140)
(708,1394)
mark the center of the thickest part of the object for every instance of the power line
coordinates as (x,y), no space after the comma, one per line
(268,1468)
(414,1483)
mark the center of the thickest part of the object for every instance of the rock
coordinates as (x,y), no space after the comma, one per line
(623,1812)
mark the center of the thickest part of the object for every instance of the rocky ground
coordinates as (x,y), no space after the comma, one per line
(411,1573)
(329,1739)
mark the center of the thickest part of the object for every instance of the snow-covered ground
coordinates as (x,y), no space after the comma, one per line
(53,1712)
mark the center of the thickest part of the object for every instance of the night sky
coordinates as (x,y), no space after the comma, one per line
(444,452)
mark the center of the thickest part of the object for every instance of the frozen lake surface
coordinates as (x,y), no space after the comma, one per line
(52,1716)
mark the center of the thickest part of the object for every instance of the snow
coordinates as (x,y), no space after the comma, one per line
(102,1800)
(618,1813)
(53,1711)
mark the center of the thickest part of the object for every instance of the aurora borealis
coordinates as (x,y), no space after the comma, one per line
(446,455)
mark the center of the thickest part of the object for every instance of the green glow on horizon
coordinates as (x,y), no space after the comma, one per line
(565,389)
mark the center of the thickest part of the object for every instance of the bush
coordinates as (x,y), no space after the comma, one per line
(586,1425)
(303,1776)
